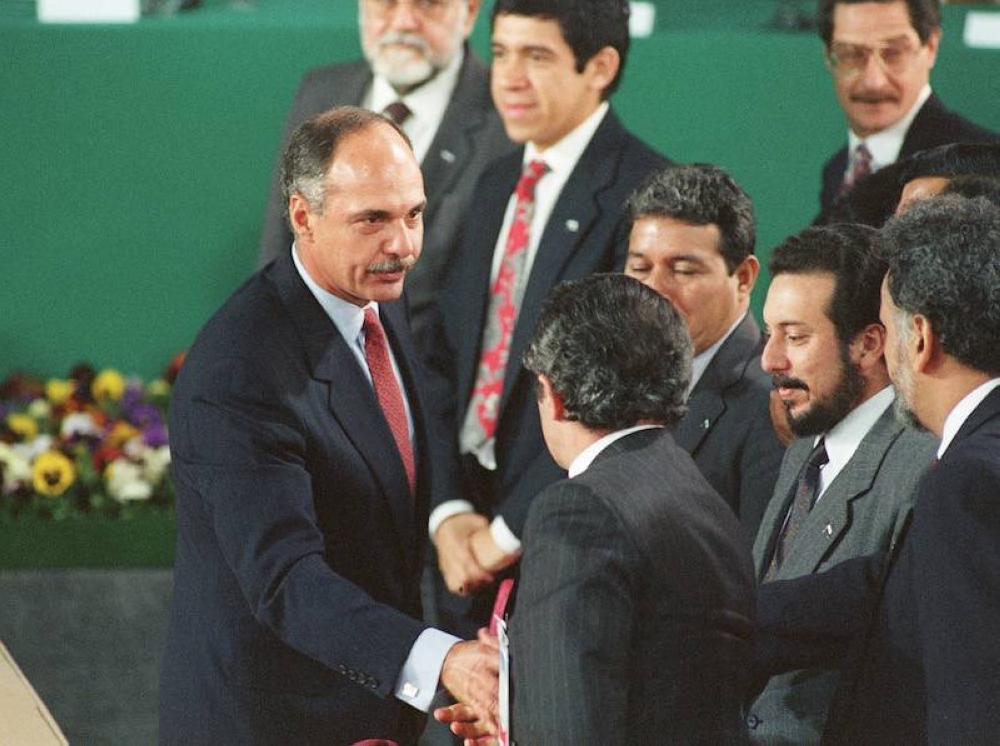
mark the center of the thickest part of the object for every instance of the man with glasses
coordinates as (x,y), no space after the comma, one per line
(418,69)
(881,53)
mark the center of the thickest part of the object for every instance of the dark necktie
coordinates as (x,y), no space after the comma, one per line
(398,112)
(806,489)
(861,168)
(387,391)
(505,299)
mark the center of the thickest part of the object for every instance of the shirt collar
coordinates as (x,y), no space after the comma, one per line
(586,457)
(843,439)
(563,156)
(428,99)
(346,316)
(962,411)
(700,363)
(886,144)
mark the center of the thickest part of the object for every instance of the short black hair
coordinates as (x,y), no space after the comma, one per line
(700,194)
(925,16)
(851,254)
(954,159)
(615,351)
(943,256)
(587,26)
(974,186)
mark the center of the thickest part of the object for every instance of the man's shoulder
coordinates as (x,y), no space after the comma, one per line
(935,125)
(337,72)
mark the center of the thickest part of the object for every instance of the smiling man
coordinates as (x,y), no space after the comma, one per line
(880,54)
(849,477)
(550,212)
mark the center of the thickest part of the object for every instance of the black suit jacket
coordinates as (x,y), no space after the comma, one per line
(299,548)
(469,137)
(728,429)
(586,233)
(932,126)
(925,671)
(635,606)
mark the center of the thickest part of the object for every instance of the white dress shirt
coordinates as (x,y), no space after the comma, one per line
(962,411)
(885,145)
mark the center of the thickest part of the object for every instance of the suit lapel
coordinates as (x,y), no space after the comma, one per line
(781,499)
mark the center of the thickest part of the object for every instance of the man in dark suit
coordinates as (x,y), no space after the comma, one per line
(827,355)
(923,667)
(552,211)
(300,459)
(692,241)
(881,53)
(416,54)
(634,610)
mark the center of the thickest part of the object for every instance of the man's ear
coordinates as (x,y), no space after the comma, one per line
(927,352)
(870,345)
(602,68)
(300,215)
(551,398)
(746,275)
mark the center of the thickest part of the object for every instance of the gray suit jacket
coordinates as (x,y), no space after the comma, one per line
(860,513)
(728,430)
(635,607)
(470,136)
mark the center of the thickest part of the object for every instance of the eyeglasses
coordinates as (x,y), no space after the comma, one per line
(431,9)
(846,60)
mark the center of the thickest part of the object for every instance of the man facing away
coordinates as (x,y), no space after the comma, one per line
(921,669)
(419,69)
(692,241)
(302,472)
(851,474)
(634,609)
(550,212)
(880,54)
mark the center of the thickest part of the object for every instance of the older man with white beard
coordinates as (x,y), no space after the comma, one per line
(419,70)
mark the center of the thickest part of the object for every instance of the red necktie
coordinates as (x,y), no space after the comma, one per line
(861,168)
(505,298)
(387,391)
(806,489)
(398,112)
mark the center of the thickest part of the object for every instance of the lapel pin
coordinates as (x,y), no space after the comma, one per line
(572,226)
(707,423)
(447,155)
(828,530)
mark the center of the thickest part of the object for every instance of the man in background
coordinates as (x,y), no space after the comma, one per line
(881,53)
(419,70)
(692,241)
(850,476)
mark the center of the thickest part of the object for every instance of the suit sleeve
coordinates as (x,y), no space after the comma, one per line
(570,634)
(242,456)
(956,582)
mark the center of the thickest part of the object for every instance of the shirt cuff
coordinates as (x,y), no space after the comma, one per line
(418,681)
(504,537)
(446,510)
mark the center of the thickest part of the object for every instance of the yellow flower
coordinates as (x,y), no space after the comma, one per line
(23,426)
(109,384)
(58,390)
(121,433)
(52,473)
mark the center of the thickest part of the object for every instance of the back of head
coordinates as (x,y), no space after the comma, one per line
(971,187)
(955,159)
(849,253)
(925,16)
(615,351)
(871,202)
(944,264)
(700,194)
(587,26)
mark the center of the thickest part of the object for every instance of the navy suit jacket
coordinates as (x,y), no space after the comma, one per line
(932,126)
(586,233)
(635,608)
(469,137)
(728,430)
(923,667)
(299,548)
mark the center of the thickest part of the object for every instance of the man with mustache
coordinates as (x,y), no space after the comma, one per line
(419,68)
(880,54)
(850,475)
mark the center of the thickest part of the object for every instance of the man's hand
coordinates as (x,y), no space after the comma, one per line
(466,724)
(470,672)
(486,552)
(461,570)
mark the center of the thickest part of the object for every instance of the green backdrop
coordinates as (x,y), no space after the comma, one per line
(134,160)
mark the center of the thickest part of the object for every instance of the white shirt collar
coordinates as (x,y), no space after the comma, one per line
(563,156)
(346,316)
(962,411)
(700,363)
(586,457)
(843,439)
(886,144)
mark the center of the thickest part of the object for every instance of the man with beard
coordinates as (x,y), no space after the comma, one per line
(848,479)
(420,71)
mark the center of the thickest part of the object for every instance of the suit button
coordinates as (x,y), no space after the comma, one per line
(753,721)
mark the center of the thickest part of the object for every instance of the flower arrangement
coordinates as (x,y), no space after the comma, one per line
(94,443)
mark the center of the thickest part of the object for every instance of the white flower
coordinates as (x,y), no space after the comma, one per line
(125,481)
(155,463)
(79,424)
(15,469)
(40,409)
(34,448)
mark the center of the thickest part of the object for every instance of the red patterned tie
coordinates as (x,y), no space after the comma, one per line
(387,391)
(505,298)
(861,168)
